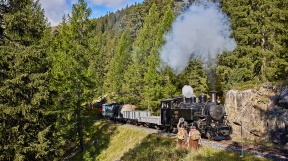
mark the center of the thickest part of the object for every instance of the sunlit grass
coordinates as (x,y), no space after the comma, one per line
(122,141)
(113,141)
(118,142)
(213,154)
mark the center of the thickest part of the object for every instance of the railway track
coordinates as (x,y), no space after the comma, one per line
(276,154)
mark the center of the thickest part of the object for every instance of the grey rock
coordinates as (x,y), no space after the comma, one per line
(260,112)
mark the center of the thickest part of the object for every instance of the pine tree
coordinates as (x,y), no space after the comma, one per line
(144,42)
(62,83)
(132,85)
(154,79)
(72,71)
(259,29)
(96,67)
(197,77)
(25,127)
(147,35)
(118,65)
(25,22)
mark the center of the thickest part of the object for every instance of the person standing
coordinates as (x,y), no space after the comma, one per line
(164,112)
(193,138)
(182,134)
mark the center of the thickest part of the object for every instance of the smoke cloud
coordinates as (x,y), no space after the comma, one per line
(203,31)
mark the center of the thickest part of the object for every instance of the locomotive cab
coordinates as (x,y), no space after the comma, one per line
(166,106)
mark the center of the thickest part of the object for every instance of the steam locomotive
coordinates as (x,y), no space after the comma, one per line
(208,116)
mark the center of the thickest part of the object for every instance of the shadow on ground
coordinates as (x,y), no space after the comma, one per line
(97,138)
(100,136)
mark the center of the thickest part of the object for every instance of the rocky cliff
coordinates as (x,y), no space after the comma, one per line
(262,113)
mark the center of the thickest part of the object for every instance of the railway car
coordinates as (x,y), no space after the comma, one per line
(95,107)
(110,110)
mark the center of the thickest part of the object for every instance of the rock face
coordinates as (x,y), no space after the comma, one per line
(260,112)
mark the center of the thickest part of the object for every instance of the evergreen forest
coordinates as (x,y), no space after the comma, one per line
(48,74)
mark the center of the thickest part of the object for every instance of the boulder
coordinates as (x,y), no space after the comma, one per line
(259,112)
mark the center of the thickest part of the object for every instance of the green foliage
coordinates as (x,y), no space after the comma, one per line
(259,29)
(25,119)
(133,84)
(87,156)
(145,41)
(73,71)
(24,22)
(196,77)
(146,36)
(154,90)
(118,65)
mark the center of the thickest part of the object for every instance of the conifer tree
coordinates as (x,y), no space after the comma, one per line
(197,77)
(24,22)
(145,41)
(132,85)
(97,62)
(72,70)
(259,29)
(62,83)
(147,35)
(118,65)
(26,122)
(154,79)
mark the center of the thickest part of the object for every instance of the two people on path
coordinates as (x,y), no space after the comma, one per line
(192,139)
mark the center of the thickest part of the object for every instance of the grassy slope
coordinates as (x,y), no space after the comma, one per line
(127,144)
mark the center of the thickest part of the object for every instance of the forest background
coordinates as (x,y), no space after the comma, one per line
(47,72)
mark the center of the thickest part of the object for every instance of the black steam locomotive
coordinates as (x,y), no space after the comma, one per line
(208,116)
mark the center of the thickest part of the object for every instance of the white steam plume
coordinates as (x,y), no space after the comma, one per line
(203,30)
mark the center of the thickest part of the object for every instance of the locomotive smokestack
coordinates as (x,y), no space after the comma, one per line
(213,96)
